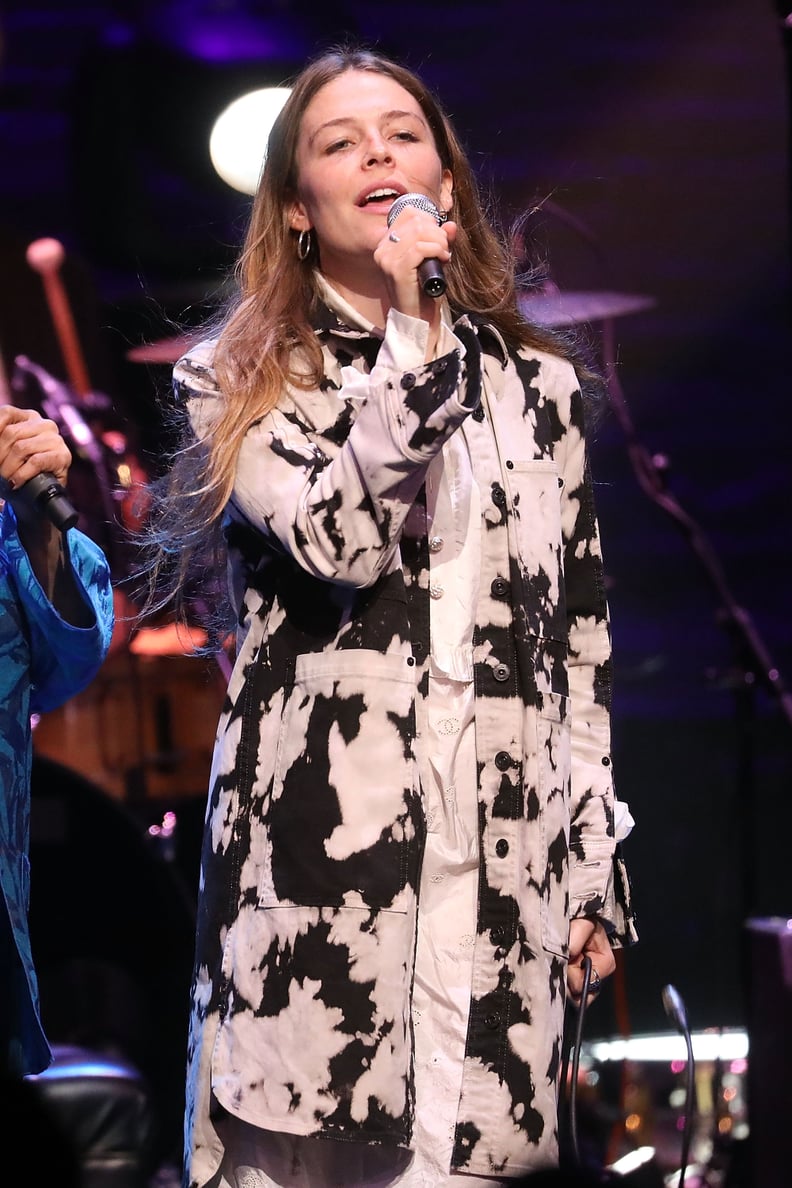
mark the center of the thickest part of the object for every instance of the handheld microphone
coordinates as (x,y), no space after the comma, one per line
(46,495)
(43,492)
(430,272)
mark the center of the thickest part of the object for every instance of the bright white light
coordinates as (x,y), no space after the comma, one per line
(238,142)
(633,1160)
(707,1045)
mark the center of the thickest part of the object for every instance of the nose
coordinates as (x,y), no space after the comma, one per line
(377,149)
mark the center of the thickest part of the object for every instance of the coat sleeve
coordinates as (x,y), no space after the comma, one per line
(330,479)
(598,878)
(63,658)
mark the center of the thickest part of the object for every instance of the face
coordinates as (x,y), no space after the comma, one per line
(363,140)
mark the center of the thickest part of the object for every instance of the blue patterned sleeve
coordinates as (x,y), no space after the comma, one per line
(64,658)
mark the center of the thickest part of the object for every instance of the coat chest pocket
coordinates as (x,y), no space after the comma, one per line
(535,489)
(345,822)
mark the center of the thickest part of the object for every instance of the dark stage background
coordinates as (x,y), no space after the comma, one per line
(657,135)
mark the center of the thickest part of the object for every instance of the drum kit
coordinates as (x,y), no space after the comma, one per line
(144,727)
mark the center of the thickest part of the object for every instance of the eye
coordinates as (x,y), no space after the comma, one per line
(405,134)
(336,146)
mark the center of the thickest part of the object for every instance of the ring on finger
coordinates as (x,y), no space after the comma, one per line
(394,238)
(595,984)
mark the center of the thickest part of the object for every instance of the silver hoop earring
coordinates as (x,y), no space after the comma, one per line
(304,244)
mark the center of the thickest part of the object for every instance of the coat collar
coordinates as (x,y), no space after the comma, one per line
(332,317)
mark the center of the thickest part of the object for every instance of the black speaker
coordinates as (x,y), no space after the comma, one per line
(112,931)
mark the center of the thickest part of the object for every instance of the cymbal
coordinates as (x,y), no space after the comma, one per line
(570,308)
(173,639)
(167,350)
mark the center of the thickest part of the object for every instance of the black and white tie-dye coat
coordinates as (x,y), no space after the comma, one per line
(314,832)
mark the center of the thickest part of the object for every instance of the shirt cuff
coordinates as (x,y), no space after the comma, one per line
(403,349)
(404,345)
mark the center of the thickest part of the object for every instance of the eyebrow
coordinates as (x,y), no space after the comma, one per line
(386,115)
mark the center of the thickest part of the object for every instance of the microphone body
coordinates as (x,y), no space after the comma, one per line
(430,272)
(47,496)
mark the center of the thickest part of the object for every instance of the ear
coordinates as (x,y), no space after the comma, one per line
(446,190)
(298,218)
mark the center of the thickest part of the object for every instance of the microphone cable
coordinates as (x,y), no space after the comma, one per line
(576,1045)
(675,1011)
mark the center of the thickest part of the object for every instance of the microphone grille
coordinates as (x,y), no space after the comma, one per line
(420,201)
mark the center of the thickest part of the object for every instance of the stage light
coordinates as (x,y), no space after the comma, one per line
(727,1045)
(238,141)
(633,1160)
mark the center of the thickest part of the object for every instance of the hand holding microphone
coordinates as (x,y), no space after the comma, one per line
(34,464)
(430,272)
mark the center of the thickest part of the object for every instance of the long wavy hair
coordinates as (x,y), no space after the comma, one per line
(265,338)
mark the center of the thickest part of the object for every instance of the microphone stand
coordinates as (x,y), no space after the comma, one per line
(754,664)
(675,1011)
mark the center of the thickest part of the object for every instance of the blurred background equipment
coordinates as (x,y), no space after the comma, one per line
(768,945)
(112,922)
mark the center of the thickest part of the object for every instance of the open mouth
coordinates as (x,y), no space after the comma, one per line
(382,197)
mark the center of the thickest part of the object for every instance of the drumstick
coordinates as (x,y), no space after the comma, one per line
(46,256)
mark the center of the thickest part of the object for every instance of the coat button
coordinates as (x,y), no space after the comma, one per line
(497,934)
(503,761)
(498,495)
(408,380)
(499,588)
(501,672)
(436,590)
(501,847)
(493,1022)
(436,544)
(478,413)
